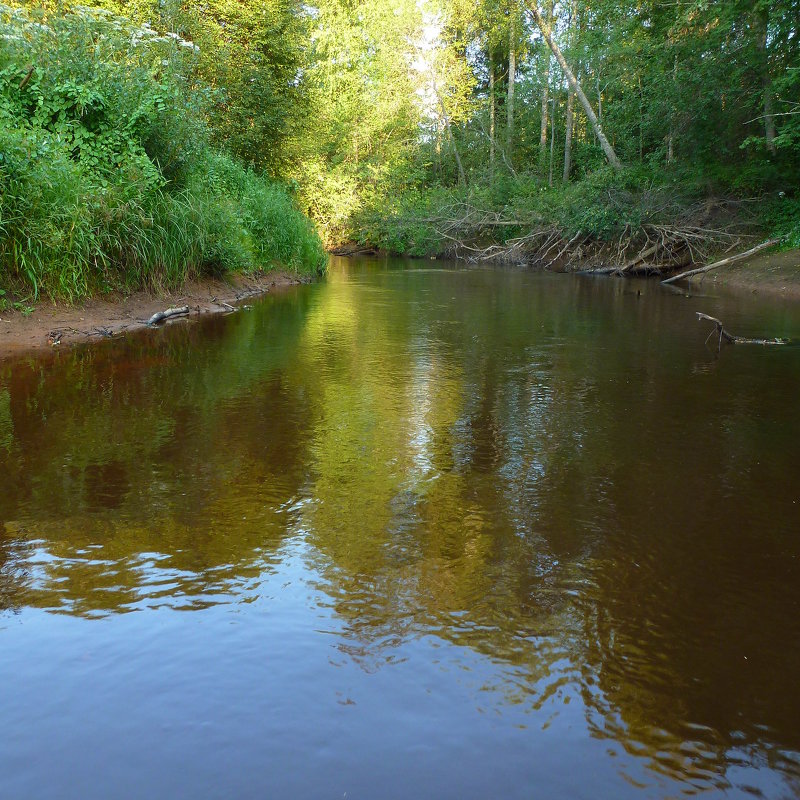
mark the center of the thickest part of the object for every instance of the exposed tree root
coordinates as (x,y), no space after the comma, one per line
(653,247)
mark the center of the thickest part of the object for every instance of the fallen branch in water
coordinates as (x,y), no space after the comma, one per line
(160,316)
(724,262)
(729,337)
(351,249)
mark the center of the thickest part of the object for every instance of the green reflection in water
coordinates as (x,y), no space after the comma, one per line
(555,473)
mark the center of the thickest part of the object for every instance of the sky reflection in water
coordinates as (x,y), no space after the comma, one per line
(409,532)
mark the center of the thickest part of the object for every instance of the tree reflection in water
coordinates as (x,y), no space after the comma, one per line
(531,467)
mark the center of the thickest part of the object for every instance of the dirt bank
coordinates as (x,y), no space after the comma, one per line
(55,325)
(772,274)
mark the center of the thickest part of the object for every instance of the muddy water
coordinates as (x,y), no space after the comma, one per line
(410,532)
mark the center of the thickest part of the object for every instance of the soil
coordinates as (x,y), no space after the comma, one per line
(771,274)
(51,325)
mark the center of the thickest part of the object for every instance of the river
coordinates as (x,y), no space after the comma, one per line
(415,531)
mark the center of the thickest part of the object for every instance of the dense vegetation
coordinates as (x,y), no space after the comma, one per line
(463,123)
(110,174)
(144,140)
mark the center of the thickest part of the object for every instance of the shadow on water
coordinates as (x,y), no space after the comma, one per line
(551,473)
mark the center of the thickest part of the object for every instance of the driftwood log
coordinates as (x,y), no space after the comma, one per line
(723,263)
(725,336)
(160,316)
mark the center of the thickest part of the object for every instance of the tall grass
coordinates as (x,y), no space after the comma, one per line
(107,175)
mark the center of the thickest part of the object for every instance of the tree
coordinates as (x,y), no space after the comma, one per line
(575,86)
(573,24)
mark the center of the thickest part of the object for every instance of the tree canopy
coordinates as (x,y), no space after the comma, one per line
(378,115)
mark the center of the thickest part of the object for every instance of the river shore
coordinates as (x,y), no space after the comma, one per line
(52,325)
(56,325)
(770,274)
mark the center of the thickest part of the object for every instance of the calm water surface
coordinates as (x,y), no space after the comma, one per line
(411,532)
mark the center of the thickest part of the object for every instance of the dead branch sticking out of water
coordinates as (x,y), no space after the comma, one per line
(729,337)
(723,263)
(160,316)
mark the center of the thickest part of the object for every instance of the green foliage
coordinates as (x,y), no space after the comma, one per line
(781,217)
(136,145)
(696,98)
(109,177)
(363,138)
(254,52)
(601,206)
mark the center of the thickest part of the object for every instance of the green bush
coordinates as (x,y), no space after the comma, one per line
(781,217)
(107,173)
(601,205)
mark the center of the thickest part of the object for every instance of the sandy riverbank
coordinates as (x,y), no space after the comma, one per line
(771,274)
(115,315)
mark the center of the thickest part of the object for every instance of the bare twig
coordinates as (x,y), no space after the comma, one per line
(27,79)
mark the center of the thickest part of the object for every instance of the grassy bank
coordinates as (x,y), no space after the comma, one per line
(109,178)
(636,217)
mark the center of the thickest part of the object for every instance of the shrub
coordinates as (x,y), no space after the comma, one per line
(108,175)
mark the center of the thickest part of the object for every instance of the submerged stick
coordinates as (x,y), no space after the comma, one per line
(723,263)
(729,337)
(160,316)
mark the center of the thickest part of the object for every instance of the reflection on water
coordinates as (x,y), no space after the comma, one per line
(455,533)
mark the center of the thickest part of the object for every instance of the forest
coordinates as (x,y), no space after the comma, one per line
(145,141)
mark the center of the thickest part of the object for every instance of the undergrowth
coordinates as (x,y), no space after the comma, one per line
(108,179)
(601,208)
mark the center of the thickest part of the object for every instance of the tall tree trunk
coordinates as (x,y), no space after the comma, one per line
(761,26)
(462,178)
(439,169)
(545,100)
(552,138)
(575,86)
(545,106)
(512,74)
(769,118)
(599,101)
(570,104)
(641,121)
(568,137)
(671,136)
(492,113)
